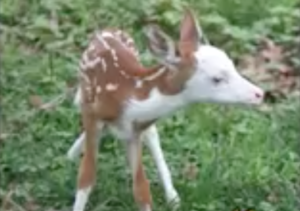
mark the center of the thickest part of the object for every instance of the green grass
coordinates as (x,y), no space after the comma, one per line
(244,157)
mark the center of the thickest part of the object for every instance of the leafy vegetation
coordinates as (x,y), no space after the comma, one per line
(221,157)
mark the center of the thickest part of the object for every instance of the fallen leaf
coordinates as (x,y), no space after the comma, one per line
(267,68)
(190,171)
(35,101)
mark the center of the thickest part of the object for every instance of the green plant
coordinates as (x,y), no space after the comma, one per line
(221,157)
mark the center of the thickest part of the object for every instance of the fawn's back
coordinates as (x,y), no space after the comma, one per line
(117,89)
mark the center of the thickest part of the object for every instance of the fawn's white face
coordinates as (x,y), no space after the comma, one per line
(216,79)
(206,72)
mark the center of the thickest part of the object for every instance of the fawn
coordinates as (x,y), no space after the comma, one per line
(118,93)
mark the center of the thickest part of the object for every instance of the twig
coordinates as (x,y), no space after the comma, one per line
(7,199)
(58,100)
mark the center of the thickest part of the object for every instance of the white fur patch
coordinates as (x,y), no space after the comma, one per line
(91,47)
(124,74)
(156,74)
(114,55)
(146,208)
(119,33)
(87,63)
(100,38)
(93,63)
(157,105)
(233,88)
(107,34)
(98,89)
(111,87)
(104,66)
(81,199)
(138,83)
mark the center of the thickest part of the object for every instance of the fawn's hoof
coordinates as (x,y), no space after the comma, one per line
(173,199)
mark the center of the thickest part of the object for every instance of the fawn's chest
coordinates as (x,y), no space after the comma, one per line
(137,115)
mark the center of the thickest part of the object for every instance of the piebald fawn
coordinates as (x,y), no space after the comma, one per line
(117,92)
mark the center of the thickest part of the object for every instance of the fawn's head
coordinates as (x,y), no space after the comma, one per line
(203,72)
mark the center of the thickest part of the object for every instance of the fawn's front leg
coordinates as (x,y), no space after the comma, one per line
(87,169)
(141,188)
(152,140)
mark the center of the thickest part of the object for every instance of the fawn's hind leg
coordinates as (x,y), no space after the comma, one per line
(77,148)
(87,169)
(141,189)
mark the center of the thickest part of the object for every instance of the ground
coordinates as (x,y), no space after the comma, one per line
(221,157)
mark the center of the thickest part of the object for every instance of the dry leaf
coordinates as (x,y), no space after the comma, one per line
(190,171)
(273,197)
(267,67)
(35,101)
(30,205)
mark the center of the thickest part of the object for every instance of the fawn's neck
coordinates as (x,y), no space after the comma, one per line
(162,98)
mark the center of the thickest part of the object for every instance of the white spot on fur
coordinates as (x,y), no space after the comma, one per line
(100,38)
(98,89)
(85,65)
(156,74)
(116,64)
(94,63)
(119,33)
(111,87)
(138,83)
(106,34)
(130,42)
(114,55)
(124,74)
(91,47)
(104,66)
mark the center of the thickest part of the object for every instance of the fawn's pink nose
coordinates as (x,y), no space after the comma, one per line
(259,94)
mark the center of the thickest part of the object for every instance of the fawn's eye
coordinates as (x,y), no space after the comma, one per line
(217,80)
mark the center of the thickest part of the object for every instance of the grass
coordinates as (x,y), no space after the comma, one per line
(244,157)
(221,157)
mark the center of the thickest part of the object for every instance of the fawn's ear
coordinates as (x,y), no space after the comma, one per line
(161,45)
(189,34)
